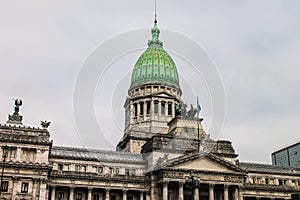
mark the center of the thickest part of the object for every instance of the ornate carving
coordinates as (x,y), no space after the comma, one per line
(233,179)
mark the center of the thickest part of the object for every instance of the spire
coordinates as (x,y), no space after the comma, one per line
(155,42)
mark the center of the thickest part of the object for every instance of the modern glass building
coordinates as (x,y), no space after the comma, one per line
(287,156)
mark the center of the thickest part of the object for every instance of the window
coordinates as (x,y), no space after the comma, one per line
(100,169)
(77,168)
(61,195)
(4,186)
(135,109)
(96,197)
(155,107)
(111,170)
(66,167)
(127,172)
(132,171)
(163,108)
(83,168)
(78,196)
(142,108)
(169,108)
(148,107)
(12,153)
(117,170)
(280,182)
(24,187)
(59,167)
(267,181)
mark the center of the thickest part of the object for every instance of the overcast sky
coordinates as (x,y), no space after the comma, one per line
(254,45)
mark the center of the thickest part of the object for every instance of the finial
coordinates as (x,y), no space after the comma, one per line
(155,15)
(155,42)
(15,118)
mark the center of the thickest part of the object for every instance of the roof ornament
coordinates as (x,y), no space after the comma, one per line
(16,118)
(155,42)
(45,124)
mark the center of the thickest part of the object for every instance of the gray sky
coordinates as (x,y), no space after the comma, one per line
(255,45)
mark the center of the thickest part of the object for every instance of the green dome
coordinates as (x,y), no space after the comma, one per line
(155,65)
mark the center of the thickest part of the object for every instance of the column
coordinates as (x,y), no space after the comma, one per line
(15,186)
(53,192)
(145,110)
(173,109)
(141,195)
(159,110)
(180,190)
(165,190)
(131,113)
(34,184)
(43,189)
(90,190)
(152,110)
(107,194)
(211,191)
(236,194)
(226,192)
(138,111)
(124,195)
(71,197)
(241,193)
(196,193)
(148,195)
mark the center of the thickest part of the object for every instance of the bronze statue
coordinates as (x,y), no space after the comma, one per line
(18,103)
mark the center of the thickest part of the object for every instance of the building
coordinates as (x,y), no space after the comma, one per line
(287,156)
(165,154)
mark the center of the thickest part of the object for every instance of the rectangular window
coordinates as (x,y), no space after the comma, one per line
(169,108)
(148,107)
(66,167)
(77,168)
(96,197)
(132,171)
(13,153)
(24,187)
(111,170)
(163,108)
(4,186)
(135,109)
(127,172)
(78,196)
(156,107)
(100,169)
(60,195)
(59,167)
(117,170)
(83,168)
(142,108)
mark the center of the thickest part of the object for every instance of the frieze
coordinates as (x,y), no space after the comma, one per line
(233,179)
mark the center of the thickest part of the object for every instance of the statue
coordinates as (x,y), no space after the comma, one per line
(18,103)
(16,118)
(181,109)
(192,112)
(45,124)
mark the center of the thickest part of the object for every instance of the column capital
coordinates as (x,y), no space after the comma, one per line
(226,187)
(125,191)
(72,187)
(53,186)
(90,188)
(166,183)
(15,179)
(181,183)
(107,190)
(211,185)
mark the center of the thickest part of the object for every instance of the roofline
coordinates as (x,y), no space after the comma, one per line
(286,147)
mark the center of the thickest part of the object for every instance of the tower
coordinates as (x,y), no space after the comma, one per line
(152,97)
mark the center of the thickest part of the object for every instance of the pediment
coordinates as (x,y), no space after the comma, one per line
(164,94)
(204,163)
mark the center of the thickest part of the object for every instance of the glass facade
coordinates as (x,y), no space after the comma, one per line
(288,156)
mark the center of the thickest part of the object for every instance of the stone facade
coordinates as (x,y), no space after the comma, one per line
(165,154)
